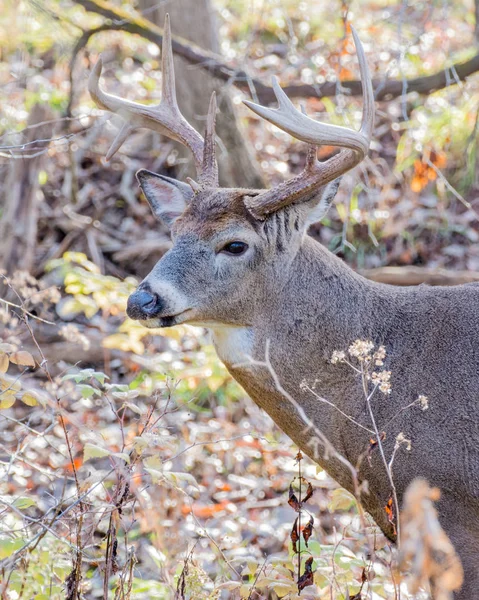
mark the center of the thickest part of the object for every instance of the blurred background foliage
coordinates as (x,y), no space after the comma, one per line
(132,465)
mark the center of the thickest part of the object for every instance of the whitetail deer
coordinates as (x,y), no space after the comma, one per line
(243,266)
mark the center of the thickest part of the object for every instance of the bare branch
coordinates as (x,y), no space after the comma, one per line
(384,89)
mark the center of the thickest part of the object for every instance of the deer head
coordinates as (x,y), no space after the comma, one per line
(230,246)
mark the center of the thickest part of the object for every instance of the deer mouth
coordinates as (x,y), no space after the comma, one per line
(167,320)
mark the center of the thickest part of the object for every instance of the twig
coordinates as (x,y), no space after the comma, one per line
(25,311)
(393,88)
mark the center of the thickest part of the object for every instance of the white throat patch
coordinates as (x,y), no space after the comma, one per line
(234,345)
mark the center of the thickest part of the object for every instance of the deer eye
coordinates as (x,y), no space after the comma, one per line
(235,248)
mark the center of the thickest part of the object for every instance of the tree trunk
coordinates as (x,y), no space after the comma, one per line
(20,199)
(195,21)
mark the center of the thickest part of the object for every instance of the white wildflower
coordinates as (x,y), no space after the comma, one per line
(402,439)
(361,349)
(379,356)
(382,380)
(423,401)
(338,356)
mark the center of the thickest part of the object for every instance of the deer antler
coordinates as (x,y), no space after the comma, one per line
(165,117)
(316,174)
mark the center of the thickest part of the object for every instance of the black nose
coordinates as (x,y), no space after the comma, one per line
(142,305)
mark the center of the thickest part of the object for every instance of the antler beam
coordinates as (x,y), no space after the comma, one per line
(165,117)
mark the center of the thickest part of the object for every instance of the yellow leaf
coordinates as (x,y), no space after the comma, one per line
(7,400)
(10,384)
(4,362)
(22,358)
(29,398)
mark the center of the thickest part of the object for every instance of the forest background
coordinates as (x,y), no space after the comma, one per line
(131,465)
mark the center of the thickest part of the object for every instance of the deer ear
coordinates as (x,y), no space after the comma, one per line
(326,197)
(167,197)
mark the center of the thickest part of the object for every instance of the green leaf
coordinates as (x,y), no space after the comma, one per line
(91,451)
(87,391)
(99,376)
(23,502)
(9,546)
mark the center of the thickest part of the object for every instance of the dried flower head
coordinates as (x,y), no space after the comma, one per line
(338,356)
(401,439)
(423,402)
(382,380)
(361,349)
(379,356)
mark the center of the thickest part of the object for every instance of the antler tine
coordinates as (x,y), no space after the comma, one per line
(302,127)
(168,85)
(165,117)
(209,174)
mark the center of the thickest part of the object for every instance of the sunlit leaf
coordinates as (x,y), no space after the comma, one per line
(29,398)
(4,362)
(91,451)
(22,358)
(123,455)
(7,400)
(10,384)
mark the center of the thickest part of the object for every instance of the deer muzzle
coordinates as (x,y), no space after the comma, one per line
(143,305)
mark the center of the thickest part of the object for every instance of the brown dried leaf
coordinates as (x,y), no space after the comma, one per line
(308,530)
(293,501)
(309,492)
(307,578)
(22,358)
(295,536)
